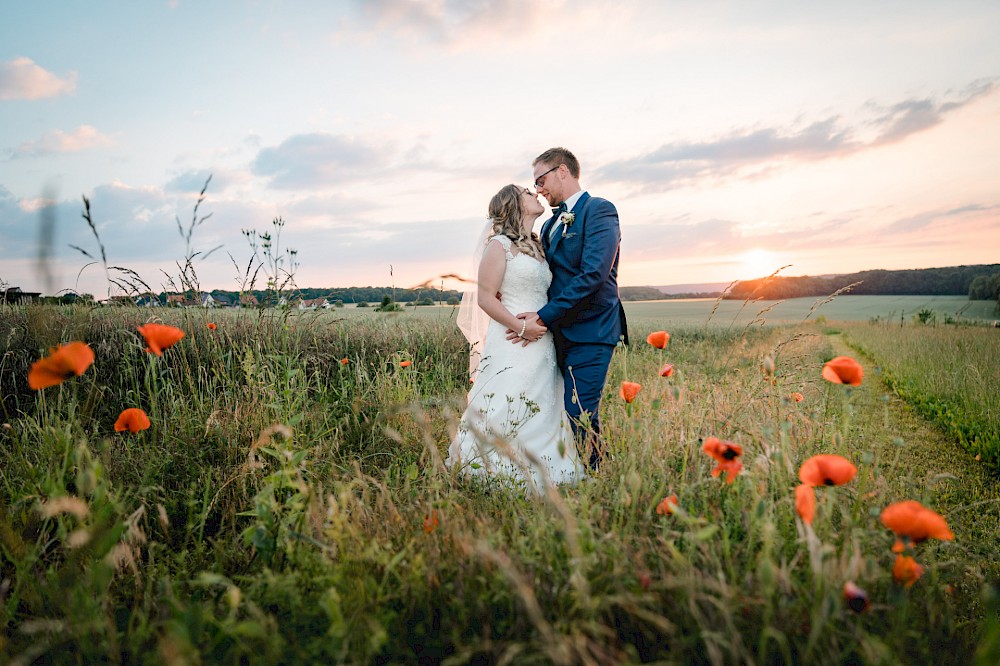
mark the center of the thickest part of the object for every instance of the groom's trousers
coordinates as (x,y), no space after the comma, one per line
(584,368)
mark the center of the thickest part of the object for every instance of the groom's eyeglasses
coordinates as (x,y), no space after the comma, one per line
(541,178)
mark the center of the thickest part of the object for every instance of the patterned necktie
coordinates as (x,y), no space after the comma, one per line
(557,211)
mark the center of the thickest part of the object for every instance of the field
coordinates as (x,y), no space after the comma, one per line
(699,311)
(797,310)
(943,372)
(288,503)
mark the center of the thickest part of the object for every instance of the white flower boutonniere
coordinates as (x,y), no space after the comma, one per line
(566,219)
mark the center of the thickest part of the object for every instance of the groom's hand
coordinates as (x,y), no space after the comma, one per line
(534,328)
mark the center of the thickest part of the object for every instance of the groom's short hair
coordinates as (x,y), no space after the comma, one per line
(557,156)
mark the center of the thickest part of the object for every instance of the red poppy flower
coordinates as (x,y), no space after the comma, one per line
(629,390)
(843,370)
(906,571)
(211,326)
(63,362)
(805,503)
(343,361)
(666,370)
(826,470)
(913,521)
(727,454)
(658,339)
(667,506)
(856,598)
(133,420)
(160,337)
(431,521)
(406,364)
(797,397)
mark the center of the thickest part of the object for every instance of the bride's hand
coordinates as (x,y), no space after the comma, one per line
(534,329)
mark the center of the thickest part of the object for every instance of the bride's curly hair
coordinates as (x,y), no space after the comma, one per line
(506,213)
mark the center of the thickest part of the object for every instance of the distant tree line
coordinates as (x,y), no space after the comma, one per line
(425,296)
(654,294)
(376,294)
(977,282)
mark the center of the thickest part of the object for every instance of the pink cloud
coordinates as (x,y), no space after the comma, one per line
(57,141)
(21,78)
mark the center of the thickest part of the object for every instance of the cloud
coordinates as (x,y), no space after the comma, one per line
(308,161)
(194,180)
(872,234)
(57,141)
(747,153)
(455,23)
(138,228)
(21,78)
(928,219)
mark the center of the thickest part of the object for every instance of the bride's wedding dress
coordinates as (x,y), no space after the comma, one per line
(515,421)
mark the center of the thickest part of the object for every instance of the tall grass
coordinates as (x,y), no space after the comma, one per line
(949,374)
(286,507)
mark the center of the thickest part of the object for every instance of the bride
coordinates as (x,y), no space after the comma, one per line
(515,426)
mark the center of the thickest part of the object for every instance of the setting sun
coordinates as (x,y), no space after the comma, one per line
(757,263)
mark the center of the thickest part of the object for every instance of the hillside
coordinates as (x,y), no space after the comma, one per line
(947,281)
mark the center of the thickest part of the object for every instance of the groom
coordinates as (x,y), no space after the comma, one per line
(584,312)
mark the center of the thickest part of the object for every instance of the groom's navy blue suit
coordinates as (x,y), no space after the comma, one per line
(584,311)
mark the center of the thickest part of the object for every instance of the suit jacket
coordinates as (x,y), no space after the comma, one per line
(583,298)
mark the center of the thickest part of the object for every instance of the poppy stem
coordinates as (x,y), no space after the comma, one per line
(826,402)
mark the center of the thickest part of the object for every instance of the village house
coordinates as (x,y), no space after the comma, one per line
(147,301)
(14,296)
(312,303)
(224,300)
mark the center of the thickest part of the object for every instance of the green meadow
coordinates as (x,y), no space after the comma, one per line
(715,312)
(286,506)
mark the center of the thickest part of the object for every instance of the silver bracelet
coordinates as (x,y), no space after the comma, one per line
(524,324)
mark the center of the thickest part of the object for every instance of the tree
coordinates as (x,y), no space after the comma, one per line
(926,316)
(387,305)
(985,288)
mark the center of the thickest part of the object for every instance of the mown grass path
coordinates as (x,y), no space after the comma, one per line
(962,489)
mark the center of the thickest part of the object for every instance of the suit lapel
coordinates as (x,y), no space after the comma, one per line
(546,228)
(578,208)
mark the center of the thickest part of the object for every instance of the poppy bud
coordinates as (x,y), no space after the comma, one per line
(856,598)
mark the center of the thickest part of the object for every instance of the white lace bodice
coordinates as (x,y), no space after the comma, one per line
(525,285)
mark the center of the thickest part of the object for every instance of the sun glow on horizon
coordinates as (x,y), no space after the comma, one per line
(757,263)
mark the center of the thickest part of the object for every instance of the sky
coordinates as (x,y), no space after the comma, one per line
(734,138)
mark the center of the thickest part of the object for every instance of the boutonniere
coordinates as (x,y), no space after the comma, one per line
(566,219)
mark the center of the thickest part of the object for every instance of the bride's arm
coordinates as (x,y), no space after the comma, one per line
(491,272)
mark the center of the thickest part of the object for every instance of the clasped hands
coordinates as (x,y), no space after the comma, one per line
(534,328)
